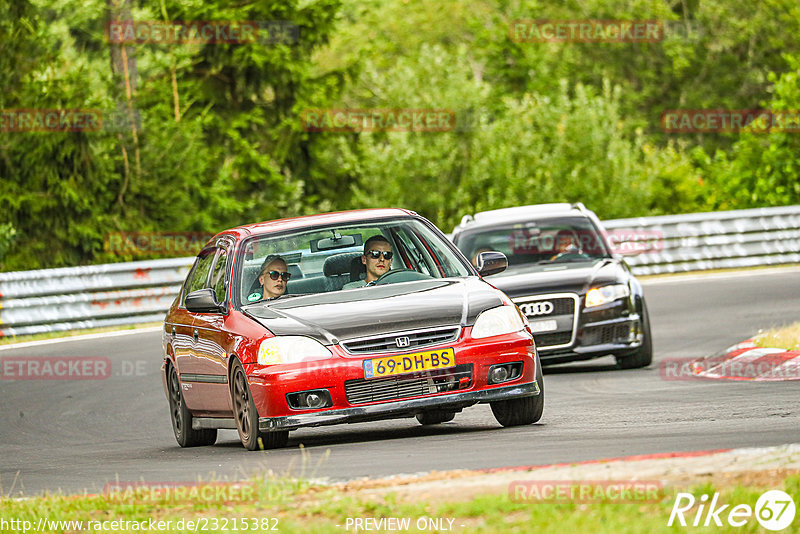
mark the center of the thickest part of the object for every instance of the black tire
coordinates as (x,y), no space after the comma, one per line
(644,356)
(434,417)
(522,411)
(185,435)
(246,415)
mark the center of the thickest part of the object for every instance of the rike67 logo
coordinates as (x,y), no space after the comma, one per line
(774,511)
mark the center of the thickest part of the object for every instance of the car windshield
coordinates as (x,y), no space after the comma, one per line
(551,240)
(325,259)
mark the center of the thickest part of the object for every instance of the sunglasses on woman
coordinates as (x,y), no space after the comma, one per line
(375,254)
(274,275)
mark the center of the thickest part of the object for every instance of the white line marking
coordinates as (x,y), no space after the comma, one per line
(80,338)
(679,279)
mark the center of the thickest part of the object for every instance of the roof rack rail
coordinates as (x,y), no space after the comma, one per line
(466,219)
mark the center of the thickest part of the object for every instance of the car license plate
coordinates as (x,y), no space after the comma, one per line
(409,363)
(543,326)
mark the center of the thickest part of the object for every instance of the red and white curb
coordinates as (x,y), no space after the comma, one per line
(748,361)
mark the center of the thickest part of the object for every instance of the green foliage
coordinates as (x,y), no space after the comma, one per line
(7,234)
(226,157)
(303,507)
(763,168)
(217,140)
(564,147)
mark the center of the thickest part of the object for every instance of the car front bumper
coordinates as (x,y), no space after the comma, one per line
(354,398)
(615,336)
(397,409)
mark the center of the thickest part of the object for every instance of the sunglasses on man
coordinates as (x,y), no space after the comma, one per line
(274,275)
(375,254)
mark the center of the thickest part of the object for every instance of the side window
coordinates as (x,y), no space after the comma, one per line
(199,275)
(218,276)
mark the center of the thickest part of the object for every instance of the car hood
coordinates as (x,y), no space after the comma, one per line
(341,315)
(574,277)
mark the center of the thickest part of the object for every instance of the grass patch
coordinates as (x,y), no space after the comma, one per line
(11,340)
(284,505)
(787,338)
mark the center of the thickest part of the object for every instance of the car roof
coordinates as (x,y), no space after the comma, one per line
(338,217)
(521,214)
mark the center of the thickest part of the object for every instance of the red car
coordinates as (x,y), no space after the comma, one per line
(292,323)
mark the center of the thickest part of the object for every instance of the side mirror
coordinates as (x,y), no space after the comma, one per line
(203,301)
(492,262)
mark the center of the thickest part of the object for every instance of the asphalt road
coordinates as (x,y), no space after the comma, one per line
(81,435)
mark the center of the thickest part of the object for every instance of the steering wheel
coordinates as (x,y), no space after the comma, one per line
(571,255)
(401,275)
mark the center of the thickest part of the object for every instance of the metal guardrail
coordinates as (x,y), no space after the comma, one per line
(74,298)
(715,240)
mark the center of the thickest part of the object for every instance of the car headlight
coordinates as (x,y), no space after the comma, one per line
(498,321)
(291,349)
(606,294)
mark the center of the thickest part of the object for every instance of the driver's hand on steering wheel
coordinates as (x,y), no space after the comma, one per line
(571,249)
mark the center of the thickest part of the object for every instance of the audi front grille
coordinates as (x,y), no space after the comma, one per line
(541,310)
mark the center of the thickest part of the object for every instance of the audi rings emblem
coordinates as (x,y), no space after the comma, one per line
(544,307)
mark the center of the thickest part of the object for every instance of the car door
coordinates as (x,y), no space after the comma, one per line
(182,322)
(183,332)
(213,340)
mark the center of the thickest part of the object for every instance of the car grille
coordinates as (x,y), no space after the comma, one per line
(563,310)
(562,306)
(364,390)
(600,335)
(389,342)
(559,338)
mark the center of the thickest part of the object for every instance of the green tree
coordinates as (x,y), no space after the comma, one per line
(208,137)
(762,169)
(571,146)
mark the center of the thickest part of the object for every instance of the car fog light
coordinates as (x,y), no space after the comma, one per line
(499,374)
(309,400)
(504,372)
(314,401)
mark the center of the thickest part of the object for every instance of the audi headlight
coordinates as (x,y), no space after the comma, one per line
(498,321)
(291,349)
(603,295)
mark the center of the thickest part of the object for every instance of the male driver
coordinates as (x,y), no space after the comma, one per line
(566,243)
(273,278)
(378,259)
